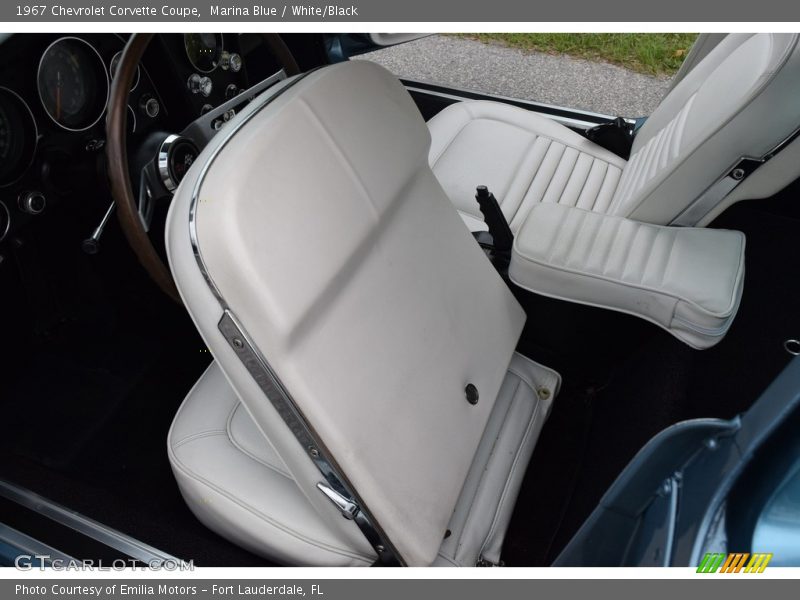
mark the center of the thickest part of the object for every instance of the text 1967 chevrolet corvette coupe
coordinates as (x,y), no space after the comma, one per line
(267,305)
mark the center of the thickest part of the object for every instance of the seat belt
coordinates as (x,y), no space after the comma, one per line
(616,136)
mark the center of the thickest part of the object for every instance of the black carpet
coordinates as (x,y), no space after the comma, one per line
(102,362)
(620,390)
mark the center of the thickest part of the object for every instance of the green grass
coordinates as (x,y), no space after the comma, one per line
(651,53)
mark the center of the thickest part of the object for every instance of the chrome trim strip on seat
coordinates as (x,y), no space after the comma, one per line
(266,378)
(88,527)
(732,178)
(31,546)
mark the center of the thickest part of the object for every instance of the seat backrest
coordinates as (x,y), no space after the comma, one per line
(352,285)
(739,101)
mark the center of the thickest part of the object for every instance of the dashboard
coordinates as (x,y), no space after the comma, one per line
(54,92)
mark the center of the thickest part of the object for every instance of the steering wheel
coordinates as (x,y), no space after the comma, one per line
(135,211)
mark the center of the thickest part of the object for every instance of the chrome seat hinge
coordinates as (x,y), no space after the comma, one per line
(348,508)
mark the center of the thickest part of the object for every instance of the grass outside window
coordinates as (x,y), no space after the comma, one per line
(649,53)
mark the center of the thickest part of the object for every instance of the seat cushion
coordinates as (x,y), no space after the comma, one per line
(686,280)
(522,157)
(235,483)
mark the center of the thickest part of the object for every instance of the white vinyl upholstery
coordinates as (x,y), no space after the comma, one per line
(351,273)
(235,482)
(686,280)
(522,157)
(483,512)
(739,101)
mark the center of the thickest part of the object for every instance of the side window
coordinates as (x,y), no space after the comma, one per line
(623,74)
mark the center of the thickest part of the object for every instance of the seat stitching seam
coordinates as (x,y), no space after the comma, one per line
(483,473)
(572,246)
(448,559)
(669,257)
(556,231)
(243,450)
(197,436)
(518,172)
(530,382)
(515,462)
(555,171)
(571,171)
(584,150)
(640,286)
(603,180)
(585,180)
(336,146)
(532,179)
(611,246)
(452,139)
(607,178)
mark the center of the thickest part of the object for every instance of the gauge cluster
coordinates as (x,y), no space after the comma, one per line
(211,67)
(54,94)
(73,83)
(18,136)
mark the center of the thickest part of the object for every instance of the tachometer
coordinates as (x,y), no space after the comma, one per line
(204,50)
(18,136)
(73,83)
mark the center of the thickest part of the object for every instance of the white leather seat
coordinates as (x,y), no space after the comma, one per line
(686,280)
(522,157)
(738,103)
(235,482)
(363,331)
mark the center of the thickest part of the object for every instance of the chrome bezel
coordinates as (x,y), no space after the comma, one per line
(7,228)
(164,171)
(216,64)
(132,115)
(35,142)
(137,78)
(39,89)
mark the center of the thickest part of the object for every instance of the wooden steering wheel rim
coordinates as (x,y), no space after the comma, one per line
(117,153)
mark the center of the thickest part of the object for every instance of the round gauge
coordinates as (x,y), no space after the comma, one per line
(175,157)
(18,136)
(73,83)
(112,69)
(204,50)
(131,120)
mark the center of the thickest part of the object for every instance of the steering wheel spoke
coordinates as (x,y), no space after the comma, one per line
(136,209)
(146,197)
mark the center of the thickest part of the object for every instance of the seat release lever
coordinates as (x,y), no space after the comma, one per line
(502,237)
(348,508)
